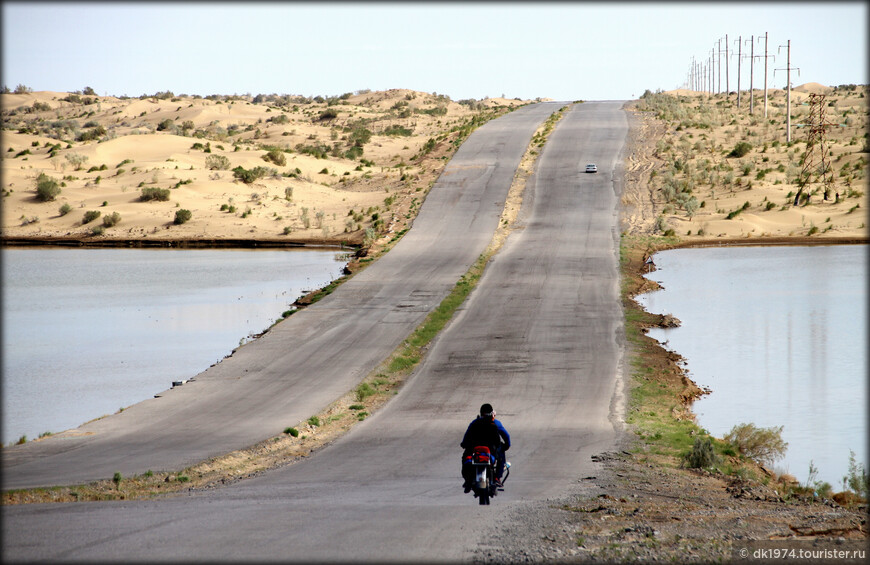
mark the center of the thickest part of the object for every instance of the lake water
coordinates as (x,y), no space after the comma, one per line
(780,336)
(89,331)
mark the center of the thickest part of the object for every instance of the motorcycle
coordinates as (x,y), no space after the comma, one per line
(483,464)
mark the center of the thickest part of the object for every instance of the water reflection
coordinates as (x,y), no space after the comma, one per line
(87,331)
(779,334)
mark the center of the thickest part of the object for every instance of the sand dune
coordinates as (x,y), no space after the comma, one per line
(166,143)
(318,194)
(687,150)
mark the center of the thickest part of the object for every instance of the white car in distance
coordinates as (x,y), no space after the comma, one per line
(591,168)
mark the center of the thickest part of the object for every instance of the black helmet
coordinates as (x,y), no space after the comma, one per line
(486,410)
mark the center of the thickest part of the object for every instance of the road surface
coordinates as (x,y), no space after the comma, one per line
(315,356)
(540,339)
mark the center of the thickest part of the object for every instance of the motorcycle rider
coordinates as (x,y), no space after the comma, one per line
(485,430)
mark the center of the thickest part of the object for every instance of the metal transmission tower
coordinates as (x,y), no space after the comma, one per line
(788,69)
(815,159)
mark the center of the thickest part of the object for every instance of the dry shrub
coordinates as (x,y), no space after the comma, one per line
(762,444)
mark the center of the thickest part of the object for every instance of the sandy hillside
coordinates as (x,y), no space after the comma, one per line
(687,180)
(338,166)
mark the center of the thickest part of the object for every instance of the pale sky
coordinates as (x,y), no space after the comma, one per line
(562,50)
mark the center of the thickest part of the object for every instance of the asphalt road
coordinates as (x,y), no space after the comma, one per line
(540,338)
(316,355)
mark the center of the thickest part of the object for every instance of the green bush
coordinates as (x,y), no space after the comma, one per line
(110,220)
(428,146)
(741,149)
(396,130)
(65,209)
(47,188)
(182,216)
(282,119)
(363,391)
(701,455)
(90,216)
(857,479)
(154,193)
(292,431)
(328,114)
(217,163)
(314,421)
(762,444)
(91,134)
(436,111)
(276,156)
(359,136)
(249,176)
(165,124)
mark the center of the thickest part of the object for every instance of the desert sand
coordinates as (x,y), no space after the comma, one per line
(324,194)
(685,142)
(103,151)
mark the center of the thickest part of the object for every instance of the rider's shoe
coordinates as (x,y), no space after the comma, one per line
(466,487)
(497,482)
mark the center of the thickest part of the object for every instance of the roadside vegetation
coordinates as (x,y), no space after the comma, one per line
(716,164)
(661,395)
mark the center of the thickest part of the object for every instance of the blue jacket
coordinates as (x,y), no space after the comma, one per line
(483,431)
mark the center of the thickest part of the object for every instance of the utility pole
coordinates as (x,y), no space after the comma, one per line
(712,71)
(692,73)
(765,73)
(727,87)
(739,57)
(788,70)
(719,61)
(710,67)
(751,73)
(704,77)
